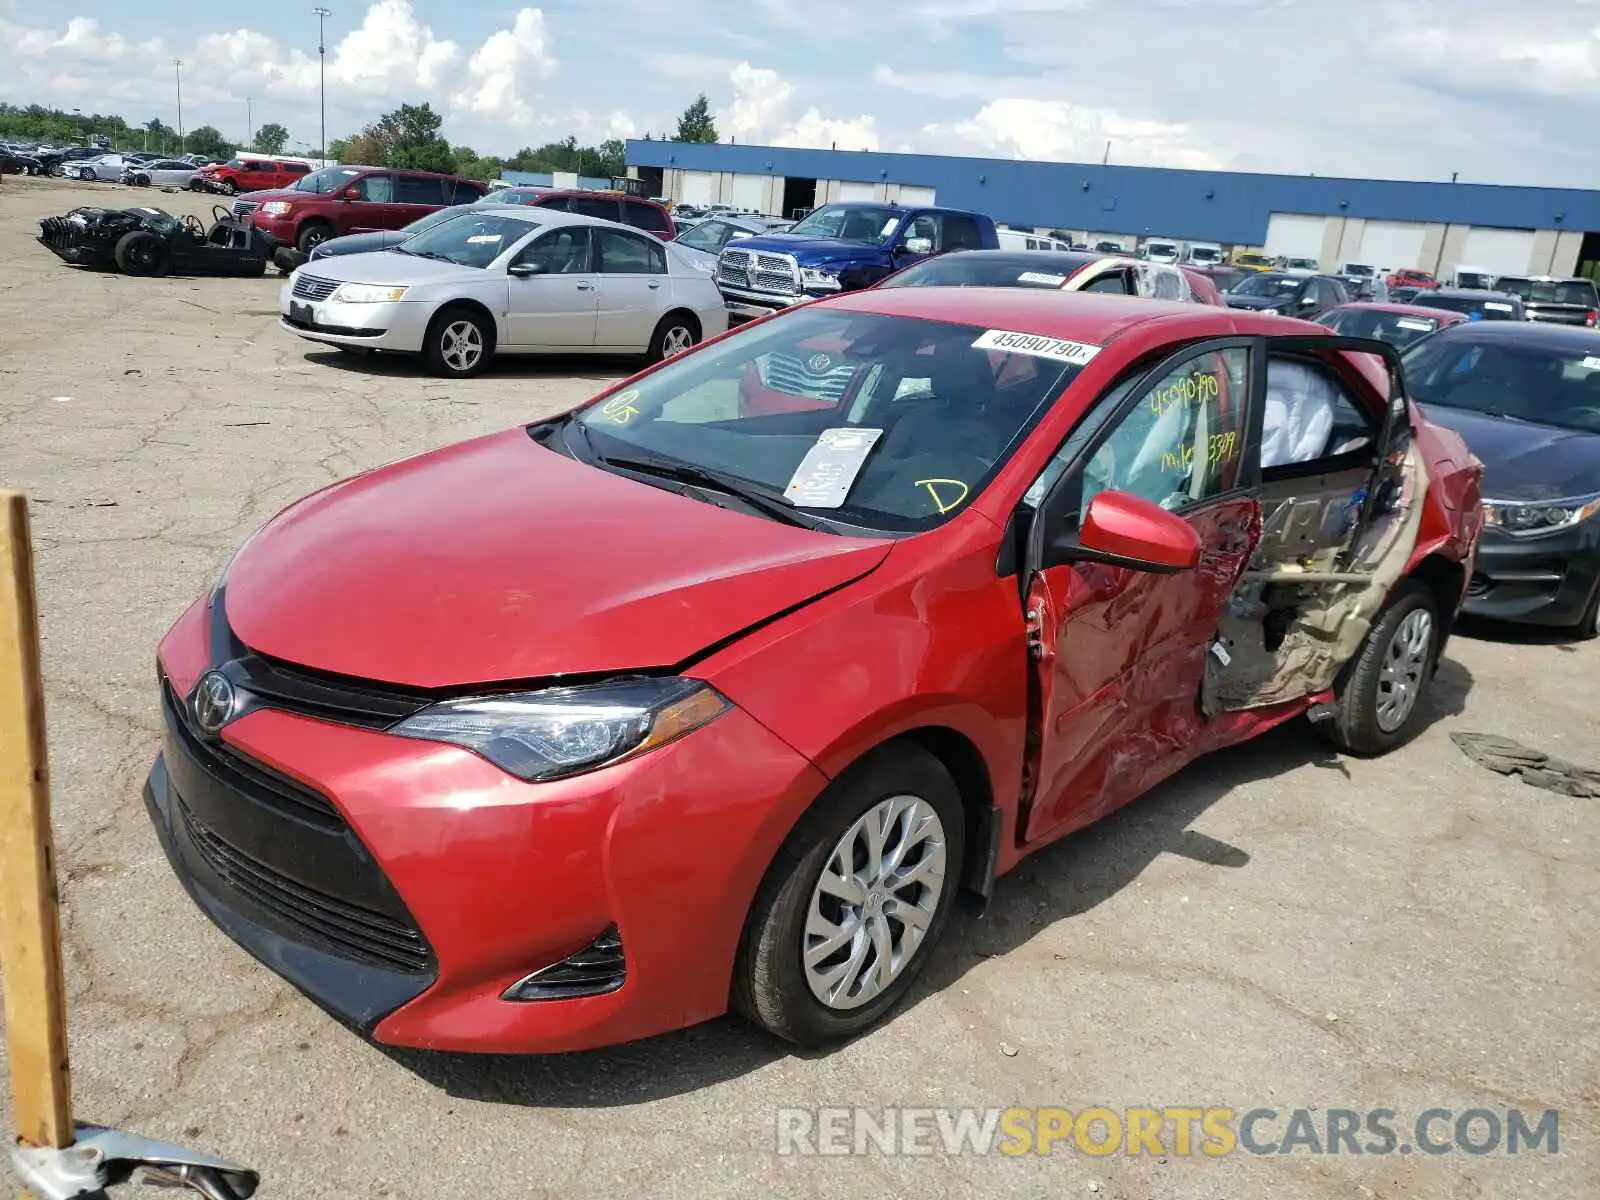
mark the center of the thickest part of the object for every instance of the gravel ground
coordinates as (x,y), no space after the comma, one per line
(1274,928)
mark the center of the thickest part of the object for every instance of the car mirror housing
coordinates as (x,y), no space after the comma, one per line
(352,193)
(919,245)
(1123,530)
(522,270)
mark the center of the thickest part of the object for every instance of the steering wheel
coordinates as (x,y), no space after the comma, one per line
(220,212)
(193,224)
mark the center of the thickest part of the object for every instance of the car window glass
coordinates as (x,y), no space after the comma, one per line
(619,253)
(1182,442)
(559,203)
(418,189)
(1308,416)
(562,251)
(710,236)
(644,216)
(1114,282)
(922,226)
(378,189)
(604,207)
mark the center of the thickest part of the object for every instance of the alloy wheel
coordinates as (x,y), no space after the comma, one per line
(874,902)
(1405,665)
(461,345)
(676,340)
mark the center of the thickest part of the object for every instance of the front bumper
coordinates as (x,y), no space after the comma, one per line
(748,304)
(499,877)
(280,227)
(1544,580)
(400,326)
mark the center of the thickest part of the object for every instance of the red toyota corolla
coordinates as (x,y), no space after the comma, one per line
(588,730)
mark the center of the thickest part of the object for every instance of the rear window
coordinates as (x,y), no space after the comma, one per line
(1548,291)
(419,189)
(295,168)
(644,216)
(604,207)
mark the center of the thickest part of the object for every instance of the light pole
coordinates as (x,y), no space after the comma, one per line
(322,79)
(177,74)
(249,124)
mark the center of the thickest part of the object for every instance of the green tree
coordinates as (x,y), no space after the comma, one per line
(696,125)
(613,158)
(271,138)
(208,141)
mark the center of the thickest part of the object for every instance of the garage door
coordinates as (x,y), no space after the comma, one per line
(1392,245)
(697,187)
(1500,251)
(858,191)
(1294,235)
(915,195)
(749,191)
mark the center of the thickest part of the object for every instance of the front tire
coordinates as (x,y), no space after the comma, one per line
(459,343)
(1379,698)
(676,333)
(312,234)
(857,897)
(226,187)
(141,253)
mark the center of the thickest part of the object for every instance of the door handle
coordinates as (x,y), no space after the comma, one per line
(586,287)
(653,284)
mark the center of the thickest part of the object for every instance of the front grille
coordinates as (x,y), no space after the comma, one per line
(314,287)
(792,374)
(62,232)
(346,929)
(774,273)
(233,771)
(243,208)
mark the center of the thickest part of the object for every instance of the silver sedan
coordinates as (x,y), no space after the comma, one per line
(171,172)
(108,168)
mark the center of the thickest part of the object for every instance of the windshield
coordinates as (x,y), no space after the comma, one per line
(710,236)
(1552,385)
(1160,248)
(1475,279)
(851,223)
(473,239)
(935,411)
(1359,270)
(1551,291)
(1399,330)
(330,179)
(1255,260)
(986,268)
(432,219)
(1301,264)
(1485,308)
(1265,285)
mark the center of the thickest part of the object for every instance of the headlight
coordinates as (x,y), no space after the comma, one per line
(822,281)
(368,293)
(562,731)
(277,208)
(1521,517)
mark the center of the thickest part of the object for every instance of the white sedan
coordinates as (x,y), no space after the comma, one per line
(529,281)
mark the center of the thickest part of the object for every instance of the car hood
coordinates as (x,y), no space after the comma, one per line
(1256,303)
(1525,462)
(809,251)
(382,266)
(358,243)
(497,560)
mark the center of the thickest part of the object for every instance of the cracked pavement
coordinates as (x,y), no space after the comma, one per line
(1275,927)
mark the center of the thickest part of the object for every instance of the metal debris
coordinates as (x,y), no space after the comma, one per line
(1505,756)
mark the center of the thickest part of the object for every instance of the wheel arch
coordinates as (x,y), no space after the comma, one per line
(477,307)
(1446,579)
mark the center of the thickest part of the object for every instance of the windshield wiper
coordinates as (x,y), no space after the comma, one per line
(433,254)
(689,473)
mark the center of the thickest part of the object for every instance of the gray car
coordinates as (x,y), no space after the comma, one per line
(162,172)
(702,242)
(107,168)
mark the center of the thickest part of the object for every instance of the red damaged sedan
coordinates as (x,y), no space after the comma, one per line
(590,730)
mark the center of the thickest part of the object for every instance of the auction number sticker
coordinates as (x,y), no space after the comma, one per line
(1414,323)
(1041,277)
(828,471)
(1498,306)
(1058,349)
(1591,363)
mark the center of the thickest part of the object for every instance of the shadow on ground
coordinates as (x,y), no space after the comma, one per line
(1507,634)
(389,364)
(1058,883)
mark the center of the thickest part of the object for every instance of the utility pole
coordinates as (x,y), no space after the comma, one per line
(322,75)
(249,124)
(1106,158)
(177,74)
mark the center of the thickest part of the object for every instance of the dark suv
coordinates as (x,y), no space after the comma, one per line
(647,215)
(339,200)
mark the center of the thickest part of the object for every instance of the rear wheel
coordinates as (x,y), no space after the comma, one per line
(141,253)
(676,333)
(1378,700)
(85,174)
(858,896)
(226,187)
(459,343)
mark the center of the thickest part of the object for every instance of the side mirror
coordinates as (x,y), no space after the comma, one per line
(1121,530)
(353,193)
(919,245)
(523,270)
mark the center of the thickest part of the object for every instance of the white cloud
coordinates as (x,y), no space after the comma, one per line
(502,68)
(760,112)
(1054,129)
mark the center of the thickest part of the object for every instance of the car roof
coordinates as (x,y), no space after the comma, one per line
(1530,333)
(1063,260)
(1549,278)
(1475,294)
(1095,318)
(1447,316)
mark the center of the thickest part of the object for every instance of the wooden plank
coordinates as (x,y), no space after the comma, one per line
(30,914)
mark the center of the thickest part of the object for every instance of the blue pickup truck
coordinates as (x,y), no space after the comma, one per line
(840,248)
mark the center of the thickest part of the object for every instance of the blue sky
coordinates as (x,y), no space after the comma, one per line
(1388,88)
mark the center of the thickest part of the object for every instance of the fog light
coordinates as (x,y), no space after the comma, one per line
(595,970)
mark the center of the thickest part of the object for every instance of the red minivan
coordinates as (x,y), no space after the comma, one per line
(339,200)
(250,175)
(647,215)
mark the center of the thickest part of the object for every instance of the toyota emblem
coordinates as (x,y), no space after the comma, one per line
(818,364)
(213,701)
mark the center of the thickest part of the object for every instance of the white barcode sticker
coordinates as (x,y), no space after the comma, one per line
(1498,306)
(1416,323)
(1041,277)
(1059,349)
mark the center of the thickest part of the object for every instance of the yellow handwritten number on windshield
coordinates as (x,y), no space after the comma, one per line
(944,505)
(619,409)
